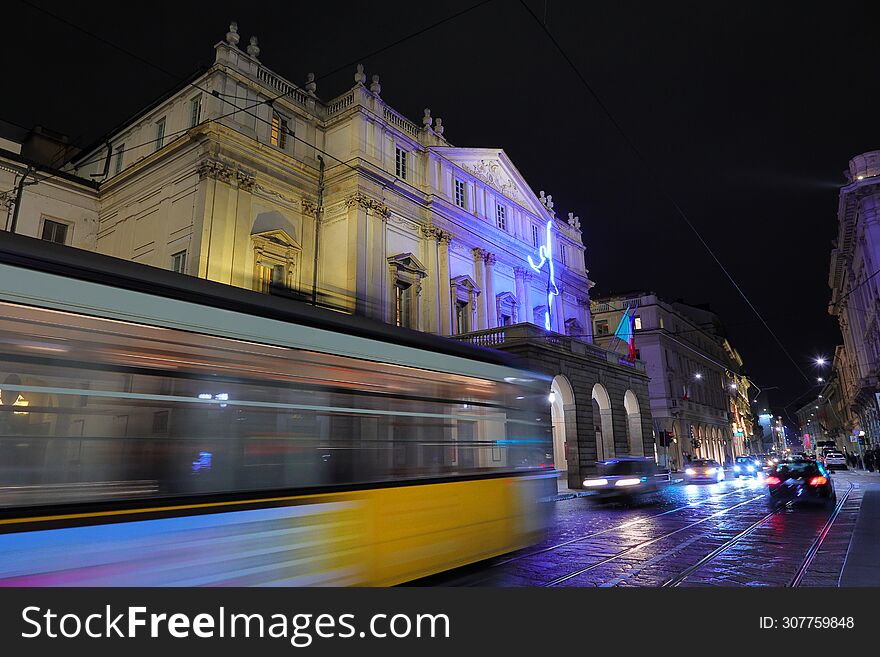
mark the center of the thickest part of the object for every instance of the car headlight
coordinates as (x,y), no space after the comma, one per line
(736,468)
(627,482)
(690,471)
(751,468)
(711,470)
(595,482)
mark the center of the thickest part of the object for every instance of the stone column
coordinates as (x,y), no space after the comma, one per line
(523,296)
(559,310)
(430,304)
(480,279)
(519,280)
(489,291)
(444,289)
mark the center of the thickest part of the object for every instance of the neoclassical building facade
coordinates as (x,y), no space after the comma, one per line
(245,178)
(855,295)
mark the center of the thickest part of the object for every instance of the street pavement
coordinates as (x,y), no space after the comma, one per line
(692,535)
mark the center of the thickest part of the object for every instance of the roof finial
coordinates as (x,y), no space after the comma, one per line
(253,49)
(376,88)
(438,127)
(426,119)
(311,87)
(232,35)
(360,77)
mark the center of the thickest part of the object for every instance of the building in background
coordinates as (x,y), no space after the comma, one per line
(699,392)
(240,176)
(855,294)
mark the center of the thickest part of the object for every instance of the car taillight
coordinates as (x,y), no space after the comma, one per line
(773,481)
(818,481)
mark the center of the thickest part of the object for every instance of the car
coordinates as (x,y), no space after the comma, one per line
(796,480)
(834,461)
(747,466)
(703,470)
(623,478)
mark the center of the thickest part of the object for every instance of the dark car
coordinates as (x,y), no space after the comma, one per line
(623,478)
(747,466)
(703,470)
(800,480)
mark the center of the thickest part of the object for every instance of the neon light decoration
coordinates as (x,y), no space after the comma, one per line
(546,253)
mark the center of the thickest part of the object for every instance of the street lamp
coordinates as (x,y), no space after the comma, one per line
(821,362)
(820,379)
(698,376)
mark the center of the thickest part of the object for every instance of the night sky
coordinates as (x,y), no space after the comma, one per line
(748,111)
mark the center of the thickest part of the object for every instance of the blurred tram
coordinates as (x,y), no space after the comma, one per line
(158,429)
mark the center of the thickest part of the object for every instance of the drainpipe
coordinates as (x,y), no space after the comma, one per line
(18,195)
(318,212)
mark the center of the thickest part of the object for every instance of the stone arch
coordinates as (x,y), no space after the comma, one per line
(603,423)
(633,423)
(562,412)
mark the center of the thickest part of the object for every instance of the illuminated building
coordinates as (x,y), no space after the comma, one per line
(698,391)
(855,290)
(242,177)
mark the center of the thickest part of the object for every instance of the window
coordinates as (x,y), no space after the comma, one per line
(54,231)
(278,131)
(403,315)
(562,257)
(160,133)
(501,217)
(535,232)
(160,422)
(662,324)
(195,111)
(178,262)
(269,274)
(400,163)
(505,320)
(119,151)
(637,323)
(602,327)
(460,194)
(462,317)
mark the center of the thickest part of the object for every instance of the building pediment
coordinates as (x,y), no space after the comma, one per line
(493,167)
(409,263)
(276,237)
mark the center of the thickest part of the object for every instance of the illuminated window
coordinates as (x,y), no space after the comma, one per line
(119,151)
(536,235)
(602,327)
(269,274)
(195,111)
(460,194)
(54,231)
(637,323)
(278,132)
(501,217)
(160,133)
(400,163)
(178,262)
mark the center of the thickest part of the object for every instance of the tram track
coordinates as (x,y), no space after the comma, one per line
(625,525)
(643,544)
(805,563)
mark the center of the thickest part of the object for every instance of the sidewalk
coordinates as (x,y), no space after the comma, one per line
(862,564)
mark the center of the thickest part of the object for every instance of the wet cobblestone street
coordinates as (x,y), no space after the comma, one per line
(688,535)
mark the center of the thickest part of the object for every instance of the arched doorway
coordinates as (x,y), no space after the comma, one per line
(602,421)
(633,424)
(562,412)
